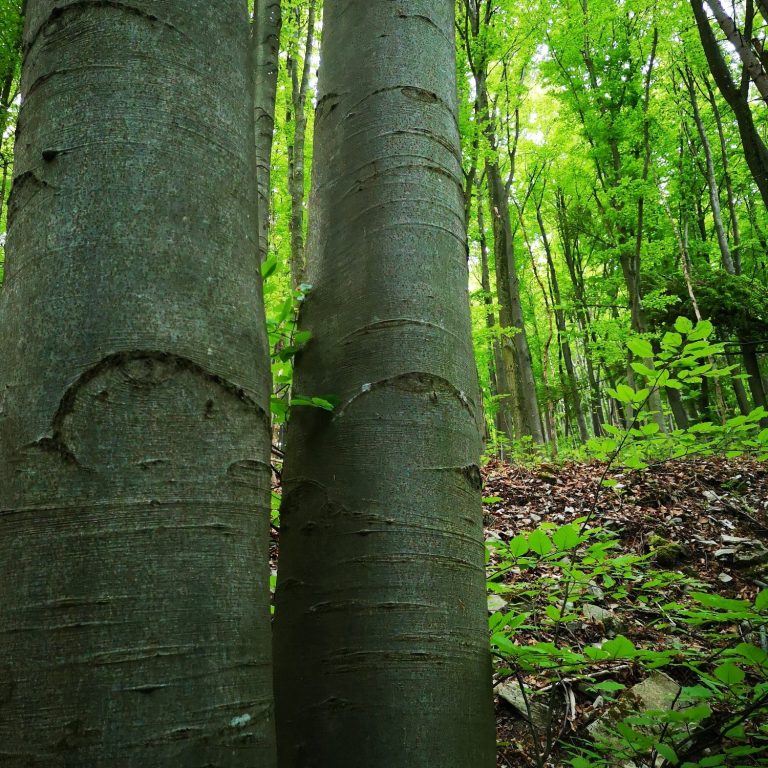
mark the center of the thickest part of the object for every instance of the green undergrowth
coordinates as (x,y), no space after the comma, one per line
(712,646)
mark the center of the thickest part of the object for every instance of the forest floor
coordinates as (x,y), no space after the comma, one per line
(675,514)
(674,517)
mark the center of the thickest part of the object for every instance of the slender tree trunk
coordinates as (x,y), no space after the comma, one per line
(549,405)
(565,347)
(734,219)
(516,350)
(751,363)
(134,458)
(380,639)
(712,186)
(267,21)
(297,148)
(582,313)
(490,314)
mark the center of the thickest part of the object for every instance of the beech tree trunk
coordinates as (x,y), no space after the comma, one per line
(297,147)
(267,22)
(381,650)
(134,443)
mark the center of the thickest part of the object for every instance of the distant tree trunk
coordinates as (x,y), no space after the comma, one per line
(516,350)
(565,347)
(134,444)
(267,21)
(490,314)
(381,649)
(519,408)
(297,147)
(582,313)
(734,219)
(751,363)
(549,405)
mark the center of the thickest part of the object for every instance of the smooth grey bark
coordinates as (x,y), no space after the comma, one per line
(381,651)
(134,444)
(297,148)
(267,21)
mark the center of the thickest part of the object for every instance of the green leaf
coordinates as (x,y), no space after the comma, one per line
(608,685)
(518,546)
(642,369)
(539,542)
(640,347)
(665,750)
(268,267)
(620,648)
(729,674)
(671,340)
(491,499)
(702,330)
(761,601)
(683,325)
(566,537)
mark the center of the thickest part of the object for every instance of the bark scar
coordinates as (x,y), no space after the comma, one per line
(55,442)
(78,5)
(418,382)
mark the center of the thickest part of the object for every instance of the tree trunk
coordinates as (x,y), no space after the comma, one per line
(755,151)
(517,352)
(267,21)
(751,363)
(380,641)
(297,148)
(565,347)
(134,445)
(490,314)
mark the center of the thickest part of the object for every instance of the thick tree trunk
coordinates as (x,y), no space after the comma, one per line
(381,647)
(134,446)
(267,21)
